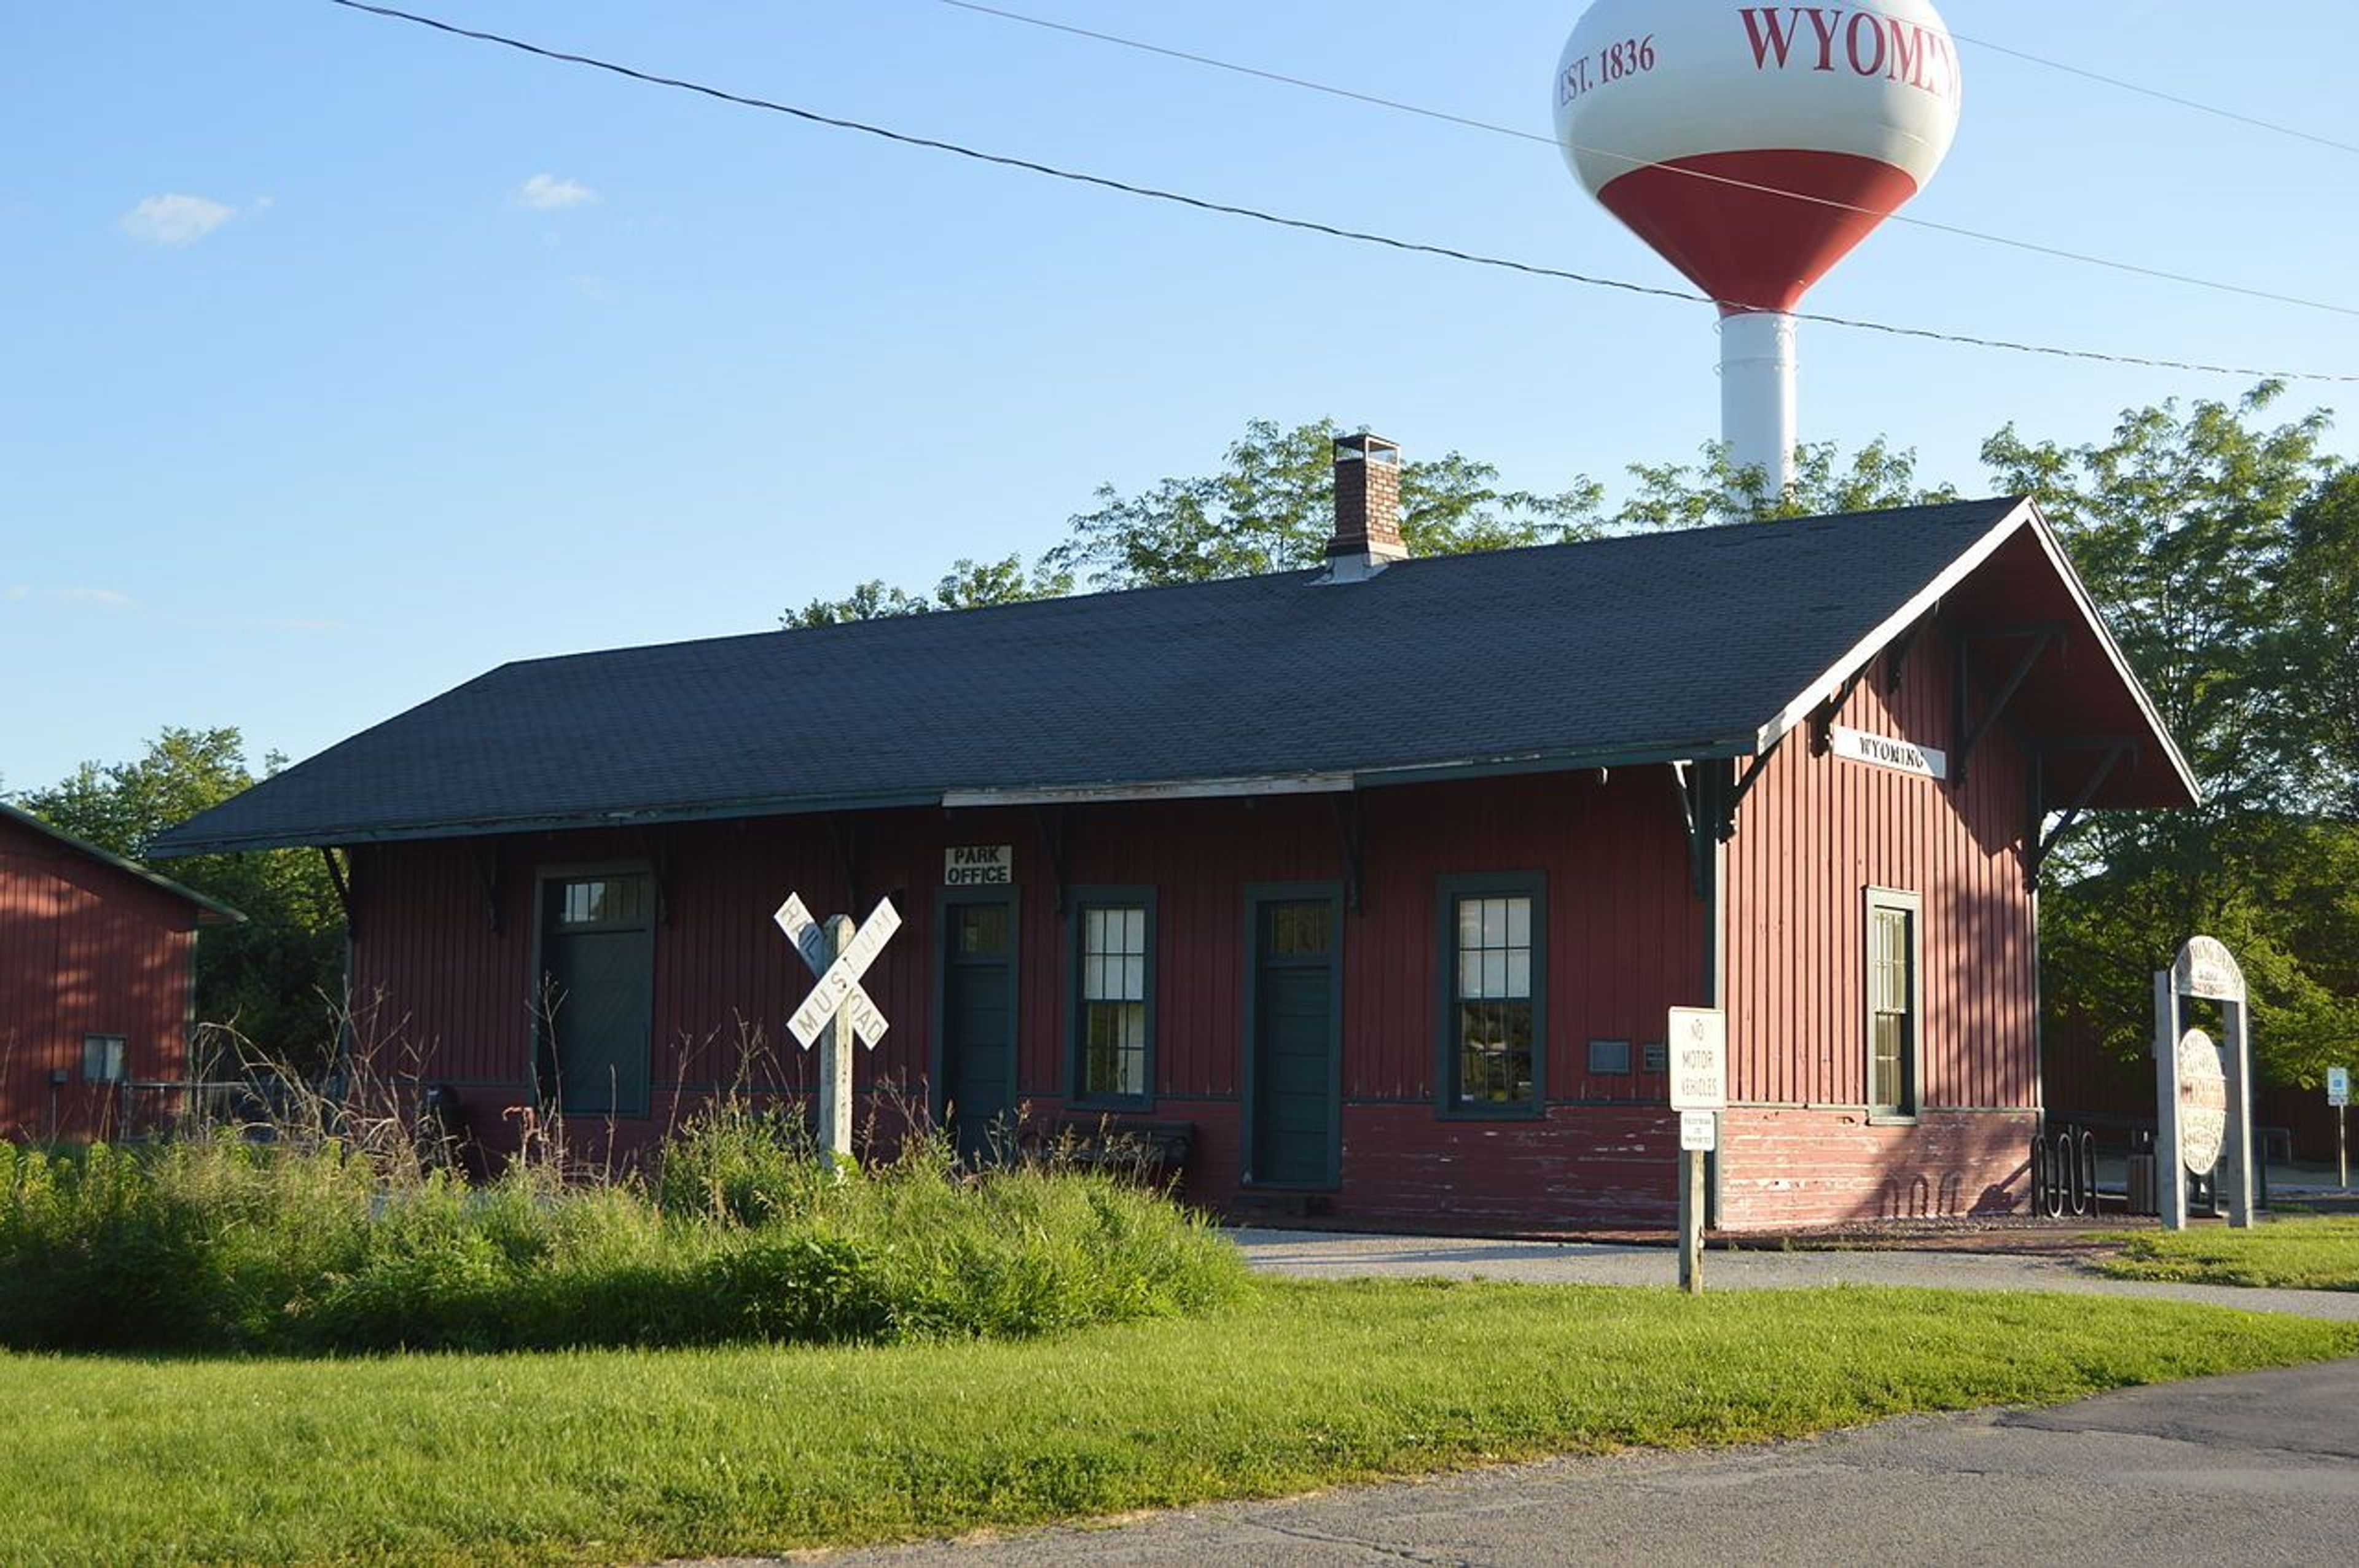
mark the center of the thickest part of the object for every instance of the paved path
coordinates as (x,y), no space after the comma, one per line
(2258,1469)
(1328,1256)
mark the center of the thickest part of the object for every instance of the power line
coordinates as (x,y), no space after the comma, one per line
(2032,247)
(2156,93)
(1304,224)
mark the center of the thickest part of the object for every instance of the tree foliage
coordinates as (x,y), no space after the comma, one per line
(968,585)
(1269,507)
(2223,550)
(271,978)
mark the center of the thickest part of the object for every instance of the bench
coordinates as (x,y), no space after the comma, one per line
(1154,1153)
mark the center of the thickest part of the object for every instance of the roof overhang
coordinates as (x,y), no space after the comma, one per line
(2122,712)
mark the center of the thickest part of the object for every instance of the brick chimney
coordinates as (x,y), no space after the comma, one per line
(1367,508)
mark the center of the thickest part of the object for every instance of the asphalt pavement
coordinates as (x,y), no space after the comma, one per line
(2252,1470)
(1324,1255)
(2257,1469)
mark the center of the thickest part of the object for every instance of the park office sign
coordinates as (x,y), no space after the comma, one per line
(979,865)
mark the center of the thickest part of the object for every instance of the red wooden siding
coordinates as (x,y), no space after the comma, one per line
(1816,833)
(449,997)
(85,949)
(1626,935)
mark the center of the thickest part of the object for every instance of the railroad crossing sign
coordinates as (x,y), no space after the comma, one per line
(839,981)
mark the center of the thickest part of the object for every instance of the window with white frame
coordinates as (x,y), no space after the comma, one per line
(1895,1024)
(1115,1013)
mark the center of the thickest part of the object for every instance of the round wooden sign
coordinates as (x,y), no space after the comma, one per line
(2202,1102)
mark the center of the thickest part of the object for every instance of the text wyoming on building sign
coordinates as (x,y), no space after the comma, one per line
(1883,752)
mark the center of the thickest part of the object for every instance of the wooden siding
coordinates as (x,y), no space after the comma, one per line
(1816,833)
(445,998)
(85,949)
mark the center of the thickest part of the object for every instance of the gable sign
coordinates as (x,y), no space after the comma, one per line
(2206,968)
(1883,752)
(978,865)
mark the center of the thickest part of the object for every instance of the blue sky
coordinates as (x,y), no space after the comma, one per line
(343,361)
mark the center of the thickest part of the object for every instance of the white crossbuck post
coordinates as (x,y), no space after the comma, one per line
(837,1006)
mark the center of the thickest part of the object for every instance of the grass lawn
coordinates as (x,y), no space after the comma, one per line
(617,1456)
(2306,1254)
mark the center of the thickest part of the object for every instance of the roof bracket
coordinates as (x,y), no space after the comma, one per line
(1346,810)
(485,853)
(1045,824)
(2097,776)
(843,834)
(1725,823)
(1896,663)
(1971,733)
(1823,722)
(660,862)
(340,879)
(1687,781)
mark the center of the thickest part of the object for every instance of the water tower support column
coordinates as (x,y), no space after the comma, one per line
(1757,373)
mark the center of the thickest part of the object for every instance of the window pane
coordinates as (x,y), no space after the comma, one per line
(1114,996)
(982,930)
(1494,977)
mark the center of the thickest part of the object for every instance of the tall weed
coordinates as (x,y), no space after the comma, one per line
(307,1245)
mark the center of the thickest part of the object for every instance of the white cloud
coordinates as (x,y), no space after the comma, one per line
(80,598)
(175,221)
(547,193)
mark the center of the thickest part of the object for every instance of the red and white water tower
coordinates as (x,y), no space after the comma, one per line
(1753,146)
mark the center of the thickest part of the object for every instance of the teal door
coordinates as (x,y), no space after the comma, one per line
(596,998)
(978,1034)
(1295,1043)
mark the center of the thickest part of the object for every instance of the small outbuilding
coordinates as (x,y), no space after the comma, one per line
(96,984)
(1368,887)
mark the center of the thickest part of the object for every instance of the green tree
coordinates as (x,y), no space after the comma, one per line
(968,585)
(1270,507)
(270,979)
(2210,538)
(1709,491)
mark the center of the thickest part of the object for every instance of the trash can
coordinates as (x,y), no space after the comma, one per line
(2141,1184)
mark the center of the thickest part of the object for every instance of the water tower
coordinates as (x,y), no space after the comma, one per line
(1753,146)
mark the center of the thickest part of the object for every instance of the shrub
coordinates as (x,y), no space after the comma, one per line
(739,1235)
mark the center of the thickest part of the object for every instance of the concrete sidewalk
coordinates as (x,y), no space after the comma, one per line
(2257,1469)
(1321,1255)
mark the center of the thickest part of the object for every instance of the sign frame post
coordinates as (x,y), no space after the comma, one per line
(1697,1044)
(2206,969)
(836,1065)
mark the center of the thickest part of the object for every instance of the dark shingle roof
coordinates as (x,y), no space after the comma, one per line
(1658,646)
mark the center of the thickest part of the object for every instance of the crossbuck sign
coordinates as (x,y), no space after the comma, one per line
(838,982)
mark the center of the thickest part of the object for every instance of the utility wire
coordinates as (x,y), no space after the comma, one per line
(1304,224)
(2030,246)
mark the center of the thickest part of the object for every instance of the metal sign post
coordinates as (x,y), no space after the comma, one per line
(2203,1093)
(838,954)
(2338,1094)
(1697,1042)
